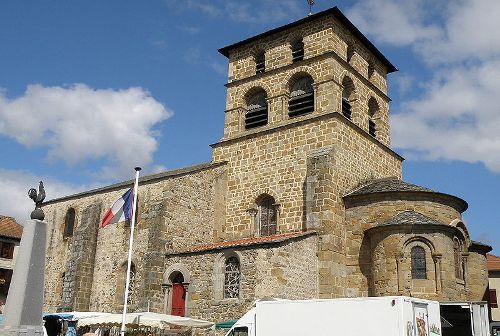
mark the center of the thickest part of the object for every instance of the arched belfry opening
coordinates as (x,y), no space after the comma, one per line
(301,96)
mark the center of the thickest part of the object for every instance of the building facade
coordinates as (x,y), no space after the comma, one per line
(303,198)
(10,237)
(494,285)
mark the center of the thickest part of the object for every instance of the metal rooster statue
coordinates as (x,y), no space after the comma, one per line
(38,199)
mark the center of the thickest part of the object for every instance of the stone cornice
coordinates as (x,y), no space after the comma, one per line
(143,180)
(302,121)
(436,197)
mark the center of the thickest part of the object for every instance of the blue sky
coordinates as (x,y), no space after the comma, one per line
(90,89)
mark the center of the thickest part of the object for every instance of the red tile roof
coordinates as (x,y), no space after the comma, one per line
(245,242)
(9,228)
(493,262)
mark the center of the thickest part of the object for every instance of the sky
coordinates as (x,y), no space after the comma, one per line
(90,89)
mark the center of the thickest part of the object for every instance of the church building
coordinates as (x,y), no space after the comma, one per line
(303,198)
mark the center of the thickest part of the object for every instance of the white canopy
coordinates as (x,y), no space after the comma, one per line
(147,319)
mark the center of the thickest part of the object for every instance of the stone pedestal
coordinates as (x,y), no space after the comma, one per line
(23,310)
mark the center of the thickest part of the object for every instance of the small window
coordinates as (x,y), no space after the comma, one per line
(256,114)
(372,112)
(301,97)
(297,51)
(350,52)
(267,216)
(232,278)
(346,108)
(457,251)
(6,250)
(347,93)
(418,263)
(371,70)
(260,63)
(69,223)
(493,298)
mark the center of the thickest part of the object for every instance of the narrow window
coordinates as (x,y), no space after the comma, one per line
(69,223)
(371,70)
(260,63)
(267,216)
(350,52)
(232,278)
(131,286)
(301,97)
(347,93)
(493,298)
(418,263)
(457,251)
(372,112)
(297,51)
(256,114)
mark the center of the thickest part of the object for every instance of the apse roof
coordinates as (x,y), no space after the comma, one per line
(411,217)
(388,184)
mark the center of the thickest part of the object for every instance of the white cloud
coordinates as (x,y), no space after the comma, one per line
(400,23)
(457,116)
(470,32)
(14,200)
(258,11)
(78,123)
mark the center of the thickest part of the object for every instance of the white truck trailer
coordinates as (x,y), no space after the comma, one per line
(374,316)
(465,318)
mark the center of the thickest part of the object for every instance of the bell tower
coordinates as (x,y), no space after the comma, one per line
(306,120)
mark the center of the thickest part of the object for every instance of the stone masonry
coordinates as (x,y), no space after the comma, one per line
(346,224)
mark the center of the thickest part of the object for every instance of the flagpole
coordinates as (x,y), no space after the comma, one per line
(129,261)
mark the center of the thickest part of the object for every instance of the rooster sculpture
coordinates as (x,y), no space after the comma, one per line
(38,198)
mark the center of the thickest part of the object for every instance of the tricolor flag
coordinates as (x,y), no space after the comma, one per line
(121,210)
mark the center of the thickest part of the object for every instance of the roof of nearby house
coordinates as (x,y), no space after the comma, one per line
(493,262)
(9,228)
(333,11)
(388,184)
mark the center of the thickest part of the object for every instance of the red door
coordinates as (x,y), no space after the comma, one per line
(178,300)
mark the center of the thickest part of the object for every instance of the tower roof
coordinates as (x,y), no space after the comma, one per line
(332,11)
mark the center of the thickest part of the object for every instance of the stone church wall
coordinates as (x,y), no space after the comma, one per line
(285,270)
(169,208)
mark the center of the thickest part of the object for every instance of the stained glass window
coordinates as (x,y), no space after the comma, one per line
(232,278)
(418,263)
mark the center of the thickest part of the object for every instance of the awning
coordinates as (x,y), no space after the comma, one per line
(226,324)
(148,319)
(75,315)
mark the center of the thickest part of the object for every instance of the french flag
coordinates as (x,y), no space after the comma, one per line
(121,210)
